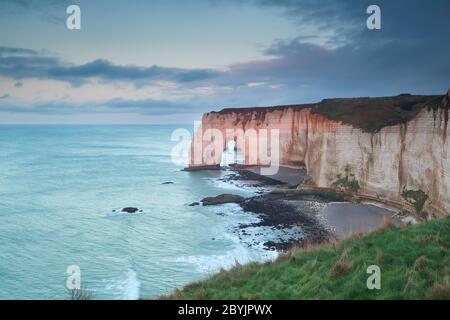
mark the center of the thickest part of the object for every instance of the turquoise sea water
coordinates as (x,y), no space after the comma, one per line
(59,186)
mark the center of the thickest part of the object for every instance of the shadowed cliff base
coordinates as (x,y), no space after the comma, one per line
(285,175)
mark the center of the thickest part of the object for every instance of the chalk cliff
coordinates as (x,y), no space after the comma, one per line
(392,149)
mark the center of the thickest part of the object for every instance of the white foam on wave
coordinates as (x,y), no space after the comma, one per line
(129,286)
(240,246)
(119,213)
(241,254)
(223,183)
(236,250)
(132,286)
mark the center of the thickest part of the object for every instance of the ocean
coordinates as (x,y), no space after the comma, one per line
(61,192)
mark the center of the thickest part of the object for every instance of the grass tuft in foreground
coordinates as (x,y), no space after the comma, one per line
(414,263)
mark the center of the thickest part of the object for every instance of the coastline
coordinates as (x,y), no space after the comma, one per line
(320,214)
(385,242)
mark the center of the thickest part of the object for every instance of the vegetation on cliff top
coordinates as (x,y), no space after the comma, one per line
(414,262)
(373,114)
(369,114)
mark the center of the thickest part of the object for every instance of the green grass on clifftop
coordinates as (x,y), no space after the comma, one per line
(414,262)
(373,114)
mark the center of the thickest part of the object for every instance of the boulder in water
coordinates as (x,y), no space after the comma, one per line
(130,210)
(221,199)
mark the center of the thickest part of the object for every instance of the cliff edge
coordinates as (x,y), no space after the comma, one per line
(392,149)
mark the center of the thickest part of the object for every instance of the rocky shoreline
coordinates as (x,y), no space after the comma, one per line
(282,208)
(251,178)
(281,215)
(274,210)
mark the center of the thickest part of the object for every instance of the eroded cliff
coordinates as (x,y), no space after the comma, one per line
(392,149)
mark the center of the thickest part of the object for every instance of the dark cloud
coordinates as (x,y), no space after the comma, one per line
(409,54)
(342,18)
(48,10)
(7,51)
(341,58)
(414,19)
(368,70)
(107,71)
(20,63)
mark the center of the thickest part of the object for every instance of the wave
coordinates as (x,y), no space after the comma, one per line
(117,212)
(129,287)
(212,263)
(239,251)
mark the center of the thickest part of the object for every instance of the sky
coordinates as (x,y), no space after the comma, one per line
(168,61)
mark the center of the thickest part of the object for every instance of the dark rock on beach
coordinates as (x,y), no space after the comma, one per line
(274,211)
(201,168)
(222,199)
(282,209)
(130,210)
(247,175)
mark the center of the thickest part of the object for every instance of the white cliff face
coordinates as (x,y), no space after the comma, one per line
(412,156)
(404,164)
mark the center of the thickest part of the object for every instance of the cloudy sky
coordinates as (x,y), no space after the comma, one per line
(168,61)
